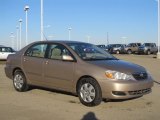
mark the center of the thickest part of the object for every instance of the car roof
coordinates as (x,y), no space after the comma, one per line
(58,41)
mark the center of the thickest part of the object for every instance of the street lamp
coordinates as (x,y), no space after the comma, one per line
(17,36)
(158,54)
(42,20)
(26,8)
(69,29)
(12,39)
(20,33)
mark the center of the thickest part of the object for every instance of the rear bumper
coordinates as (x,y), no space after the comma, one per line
(125,89)
(8,71)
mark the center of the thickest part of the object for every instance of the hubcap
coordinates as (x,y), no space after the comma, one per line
(87,92)
(18,81)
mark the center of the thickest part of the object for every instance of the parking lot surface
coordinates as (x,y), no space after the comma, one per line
(44,104)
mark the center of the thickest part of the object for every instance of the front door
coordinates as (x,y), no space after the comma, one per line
(58,73)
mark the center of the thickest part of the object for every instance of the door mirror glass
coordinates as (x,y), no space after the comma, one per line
(67,58)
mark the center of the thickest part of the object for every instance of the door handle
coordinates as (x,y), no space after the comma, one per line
(24,59)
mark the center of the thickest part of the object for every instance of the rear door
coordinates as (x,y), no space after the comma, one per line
(58,73)
(32,63)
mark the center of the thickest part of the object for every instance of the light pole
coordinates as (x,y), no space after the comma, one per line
(12,39)
(17,36)
(42,20)
(20,33)
(69,30)
(158,54)
(26,8)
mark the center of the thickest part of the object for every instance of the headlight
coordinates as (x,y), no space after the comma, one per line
(149,75)
(118,75)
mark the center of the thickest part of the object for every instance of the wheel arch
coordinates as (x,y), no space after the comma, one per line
(85,76)
(16,69)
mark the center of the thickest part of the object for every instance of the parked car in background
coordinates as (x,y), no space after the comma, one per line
(77,67)
(109,48)
(5,51)
(103,47)
(118,48)
(132,48)
(148,48)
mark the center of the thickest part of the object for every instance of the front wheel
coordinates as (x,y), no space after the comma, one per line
(19,82)
(89,92)
(117,52)
(148,52)
(129,51)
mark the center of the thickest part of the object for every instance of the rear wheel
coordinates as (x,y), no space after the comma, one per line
(19,82)
(89,92)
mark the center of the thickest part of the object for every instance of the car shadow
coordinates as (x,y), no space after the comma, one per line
(52,90)
(119,100)
(90,116)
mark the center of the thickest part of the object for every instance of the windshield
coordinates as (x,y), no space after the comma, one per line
(88,51)
(147,44)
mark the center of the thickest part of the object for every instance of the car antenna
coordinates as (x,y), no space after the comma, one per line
(45,37)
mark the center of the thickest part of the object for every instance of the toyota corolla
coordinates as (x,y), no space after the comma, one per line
(77,67)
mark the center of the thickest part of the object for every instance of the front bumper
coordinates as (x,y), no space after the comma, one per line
(125,89)
(142,51)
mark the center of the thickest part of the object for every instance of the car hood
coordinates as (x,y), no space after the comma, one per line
(118,65)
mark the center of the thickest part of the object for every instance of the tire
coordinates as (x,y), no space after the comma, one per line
(19,82)
(148,52)
(89,92)
(117,52)
(129,51)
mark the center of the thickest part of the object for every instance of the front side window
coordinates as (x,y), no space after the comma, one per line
(88,52)
(37,51)
(56,51)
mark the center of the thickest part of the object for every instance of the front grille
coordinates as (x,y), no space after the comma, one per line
(140,92)
(140,76)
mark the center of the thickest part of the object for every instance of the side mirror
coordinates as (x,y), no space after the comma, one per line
(67,58)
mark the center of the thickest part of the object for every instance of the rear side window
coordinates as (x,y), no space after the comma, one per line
(37,50)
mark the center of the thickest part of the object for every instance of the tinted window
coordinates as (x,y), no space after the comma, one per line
(36,51)
(57,50)
(147,44)
(139,44)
